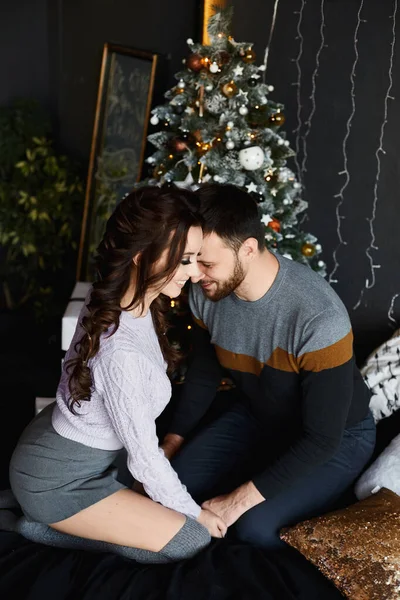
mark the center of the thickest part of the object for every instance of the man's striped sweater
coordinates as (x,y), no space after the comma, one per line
(290,353)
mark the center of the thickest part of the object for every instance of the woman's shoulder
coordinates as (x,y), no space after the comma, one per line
(119,346)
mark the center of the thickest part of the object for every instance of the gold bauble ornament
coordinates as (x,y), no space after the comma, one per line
(308,250)
(277,119)
(229,89)
(249,56)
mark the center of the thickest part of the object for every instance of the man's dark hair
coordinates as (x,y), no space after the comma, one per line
(231,213)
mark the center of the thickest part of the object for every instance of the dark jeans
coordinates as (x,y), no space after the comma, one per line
(225,454)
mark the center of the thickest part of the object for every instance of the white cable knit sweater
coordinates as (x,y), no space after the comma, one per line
(131,389)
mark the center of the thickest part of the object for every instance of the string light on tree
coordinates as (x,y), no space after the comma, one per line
(269,176)
(277,119)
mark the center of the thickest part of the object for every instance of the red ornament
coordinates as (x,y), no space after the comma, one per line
(275,225)
(177,145)
(195,62)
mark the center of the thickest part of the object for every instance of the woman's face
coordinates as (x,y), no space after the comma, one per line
(188,269)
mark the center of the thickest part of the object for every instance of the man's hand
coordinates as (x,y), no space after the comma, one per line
(231,507)
(171,444)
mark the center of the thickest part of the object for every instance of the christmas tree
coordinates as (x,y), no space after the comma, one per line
(219,124)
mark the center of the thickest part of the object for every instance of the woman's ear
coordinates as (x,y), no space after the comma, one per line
(136,258)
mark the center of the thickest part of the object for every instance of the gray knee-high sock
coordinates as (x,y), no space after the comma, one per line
(190,539)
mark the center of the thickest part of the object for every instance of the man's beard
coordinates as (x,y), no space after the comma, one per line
(223,289)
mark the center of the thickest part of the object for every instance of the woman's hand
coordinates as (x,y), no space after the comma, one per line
(138,488)
(213,523)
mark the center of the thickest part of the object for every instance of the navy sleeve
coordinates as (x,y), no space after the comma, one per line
(202,378)
(326,369)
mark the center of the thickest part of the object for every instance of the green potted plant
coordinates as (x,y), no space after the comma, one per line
(41,200)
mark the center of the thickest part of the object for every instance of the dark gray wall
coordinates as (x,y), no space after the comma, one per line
(24,53)
(85,25)
(321,143)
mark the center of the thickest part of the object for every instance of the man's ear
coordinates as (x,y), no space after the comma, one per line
(249,248)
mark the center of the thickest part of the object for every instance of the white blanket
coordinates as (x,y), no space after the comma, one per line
(381,373)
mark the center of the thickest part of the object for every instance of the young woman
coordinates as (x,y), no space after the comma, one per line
(113,387)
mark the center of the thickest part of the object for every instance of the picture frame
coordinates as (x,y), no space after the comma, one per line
(119,139)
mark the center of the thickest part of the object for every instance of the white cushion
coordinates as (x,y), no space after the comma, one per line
(381,373)
(74,307)
(41,403)
(383,473)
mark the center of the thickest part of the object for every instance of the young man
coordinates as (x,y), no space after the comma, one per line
(301,431)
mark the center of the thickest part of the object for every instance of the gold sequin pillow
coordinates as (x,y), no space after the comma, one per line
(357,548)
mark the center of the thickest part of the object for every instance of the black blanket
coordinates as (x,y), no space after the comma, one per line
(227,569)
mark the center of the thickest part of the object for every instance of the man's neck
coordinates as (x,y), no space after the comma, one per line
(260,277)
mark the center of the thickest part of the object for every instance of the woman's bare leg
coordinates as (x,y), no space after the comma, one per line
(127,519)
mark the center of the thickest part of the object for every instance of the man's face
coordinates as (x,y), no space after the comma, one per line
(221,266)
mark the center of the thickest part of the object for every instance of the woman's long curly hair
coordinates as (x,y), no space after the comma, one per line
(145,223)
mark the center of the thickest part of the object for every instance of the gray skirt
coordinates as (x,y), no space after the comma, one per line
(54,478)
